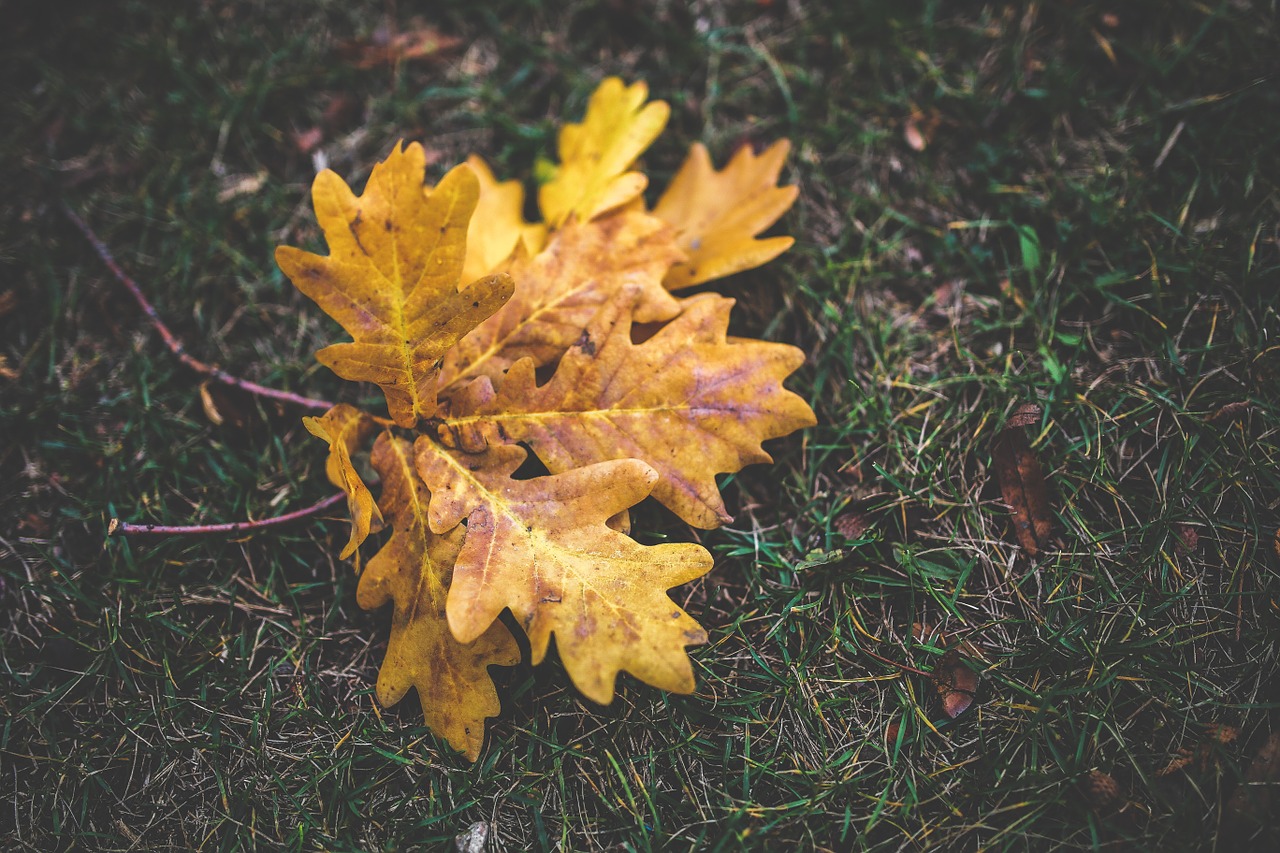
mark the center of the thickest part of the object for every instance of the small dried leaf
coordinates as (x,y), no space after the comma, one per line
(210,407)
(1215,736)
(234,186)
(594,156)
(911,133)
(1230,412)
(919,128)
(1027,414)
(345,428)
(306,141)
(419,42)
(1022,482)
(956,684)
(225,406)
(1181,760)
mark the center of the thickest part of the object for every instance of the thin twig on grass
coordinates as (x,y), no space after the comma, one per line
(171,341)
(124,528)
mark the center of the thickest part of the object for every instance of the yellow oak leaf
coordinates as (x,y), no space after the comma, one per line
(717,215)
(412,570)
(498,224)
(594,156)
(345,428)
(689,401)
(557,292)
(542,547)
(391,277)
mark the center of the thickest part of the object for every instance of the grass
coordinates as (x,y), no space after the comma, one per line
(1093,225)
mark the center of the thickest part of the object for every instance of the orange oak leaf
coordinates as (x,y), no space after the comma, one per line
(717,215)
(542,548)
(391,278)
(689,401)
(558,291)
(412,570)
(498,224)
(594,156)
(345,428)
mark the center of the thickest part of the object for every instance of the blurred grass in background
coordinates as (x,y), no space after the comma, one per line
(1072,203)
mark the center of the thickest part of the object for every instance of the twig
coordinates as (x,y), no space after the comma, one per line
(175,346)
(124,528)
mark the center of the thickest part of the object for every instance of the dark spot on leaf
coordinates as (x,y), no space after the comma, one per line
(352,226)
(475,304)
(585,343)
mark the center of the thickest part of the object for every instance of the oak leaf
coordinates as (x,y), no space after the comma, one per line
(595,155)
(717,215)
(498,224)
(345,428)
(689,401)
(391,278)
(542,548)
(614,420)
(412,569)
(583,267)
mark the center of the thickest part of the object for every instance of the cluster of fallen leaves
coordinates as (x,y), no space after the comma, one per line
(489,335)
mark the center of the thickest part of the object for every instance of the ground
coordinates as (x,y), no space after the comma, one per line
(1069,204)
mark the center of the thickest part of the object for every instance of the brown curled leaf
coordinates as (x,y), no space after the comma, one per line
(1022,483)
(957,685)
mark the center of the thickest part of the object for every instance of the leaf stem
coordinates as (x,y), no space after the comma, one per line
(171,341)
(125,528)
